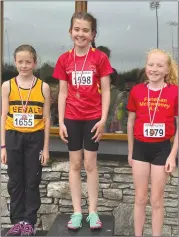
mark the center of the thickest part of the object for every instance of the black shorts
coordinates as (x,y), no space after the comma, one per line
(79,134)
(155,153)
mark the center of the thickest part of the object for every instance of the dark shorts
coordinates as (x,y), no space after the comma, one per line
(80,135)
(155,153)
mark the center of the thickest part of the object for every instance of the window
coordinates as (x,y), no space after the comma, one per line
(129,30)
(44,25)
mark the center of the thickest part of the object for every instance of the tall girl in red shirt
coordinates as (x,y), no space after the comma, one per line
(153,109)
(84,98)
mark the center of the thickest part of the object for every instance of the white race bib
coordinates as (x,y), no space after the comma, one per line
(23,120)
(86,79)
(156,130)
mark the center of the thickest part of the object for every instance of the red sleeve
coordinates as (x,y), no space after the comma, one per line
(105,68)
(176,104)
(131,106)
(59,70)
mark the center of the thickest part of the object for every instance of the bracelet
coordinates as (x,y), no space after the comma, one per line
(3,146)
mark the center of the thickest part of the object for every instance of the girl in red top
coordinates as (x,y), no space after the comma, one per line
(84,98)
(153,107)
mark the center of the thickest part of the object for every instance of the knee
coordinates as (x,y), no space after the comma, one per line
(141,200)
(90,167)
(33,183)
(156,202)
(14,185)
(75,166)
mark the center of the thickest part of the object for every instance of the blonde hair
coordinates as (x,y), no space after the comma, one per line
(172,76)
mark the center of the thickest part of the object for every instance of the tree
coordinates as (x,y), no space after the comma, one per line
(154,5)
(46,71)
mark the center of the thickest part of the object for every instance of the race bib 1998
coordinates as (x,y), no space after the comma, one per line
(155,130)
(85,80)
(23,120)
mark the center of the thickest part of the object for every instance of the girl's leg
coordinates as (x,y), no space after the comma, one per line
(141,173)
(33,147)
(158,181)
(16,184)
(90,163)
(75,142)
(75,179)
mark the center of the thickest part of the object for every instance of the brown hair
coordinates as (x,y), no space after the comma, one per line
(28,48)
(87,17)
(172,76)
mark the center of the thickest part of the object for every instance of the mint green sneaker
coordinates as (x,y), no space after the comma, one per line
(94,221)
(75,221)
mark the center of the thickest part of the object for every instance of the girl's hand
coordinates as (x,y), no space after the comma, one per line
(3,156)
(170,164)
(99,127)
(63,133)
(45,157)
(130,159)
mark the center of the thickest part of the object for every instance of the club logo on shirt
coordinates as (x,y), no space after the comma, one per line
(68,72)
(70,68)
(92,68)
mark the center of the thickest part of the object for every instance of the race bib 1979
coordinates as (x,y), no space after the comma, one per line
(23,120)
(85,80)
(155,130)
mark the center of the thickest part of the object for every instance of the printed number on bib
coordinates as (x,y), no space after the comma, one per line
(85,80)
(23,120)
(156,130)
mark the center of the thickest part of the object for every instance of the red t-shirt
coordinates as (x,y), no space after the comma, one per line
(97,65)
(166,111)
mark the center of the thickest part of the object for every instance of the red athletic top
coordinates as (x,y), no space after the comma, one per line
(88,106)
(165,113)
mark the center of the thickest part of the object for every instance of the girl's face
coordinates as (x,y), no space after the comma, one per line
(25,63)
(81,33)
(157,67)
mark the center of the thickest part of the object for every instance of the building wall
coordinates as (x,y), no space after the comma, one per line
(116,197)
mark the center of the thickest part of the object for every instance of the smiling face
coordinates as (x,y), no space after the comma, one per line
(157,67)
(81,33)
(25,63)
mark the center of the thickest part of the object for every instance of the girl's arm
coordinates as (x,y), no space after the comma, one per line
(63,92)
(46,115)
(174,150)
(105,90)
(99,126)
(130,132)
(171,160)
(5,108)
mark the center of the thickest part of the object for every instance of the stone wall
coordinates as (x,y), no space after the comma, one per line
(116,197)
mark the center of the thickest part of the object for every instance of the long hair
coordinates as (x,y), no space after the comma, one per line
(87,17)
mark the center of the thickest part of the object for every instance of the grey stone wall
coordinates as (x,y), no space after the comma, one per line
(116,197)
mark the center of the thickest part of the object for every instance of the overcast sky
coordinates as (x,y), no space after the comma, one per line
(127,28)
